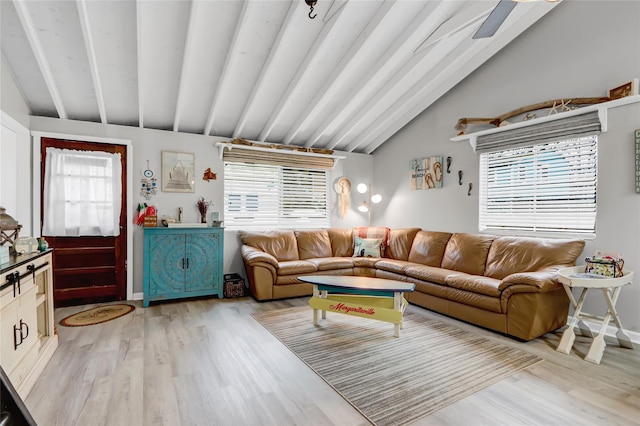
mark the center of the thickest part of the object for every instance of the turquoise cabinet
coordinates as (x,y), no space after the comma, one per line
(182,262)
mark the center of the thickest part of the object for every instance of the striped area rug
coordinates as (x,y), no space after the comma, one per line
(394,381)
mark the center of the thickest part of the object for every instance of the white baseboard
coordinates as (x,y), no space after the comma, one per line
(611,330)
(138,296)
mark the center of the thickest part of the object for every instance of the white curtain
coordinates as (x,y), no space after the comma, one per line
(82,193)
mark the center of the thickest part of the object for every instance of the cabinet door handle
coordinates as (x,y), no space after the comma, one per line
(187,263)
(23,335)
(32,268)
(183,263)
(14,279)
(16,333)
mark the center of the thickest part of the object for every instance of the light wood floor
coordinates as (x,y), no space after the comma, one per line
(208,362)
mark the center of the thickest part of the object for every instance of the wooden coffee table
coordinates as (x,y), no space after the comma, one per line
(366,297)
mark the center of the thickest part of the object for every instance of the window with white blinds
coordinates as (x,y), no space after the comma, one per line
(544,189)
(266,196)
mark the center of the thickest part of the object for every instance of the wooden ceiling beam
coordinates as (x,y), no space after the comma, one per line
(187,61)
(471,55)
(392,62)
(303,73)
(32,35)
(269,67)
(139,34)
(91,55)
(334,84)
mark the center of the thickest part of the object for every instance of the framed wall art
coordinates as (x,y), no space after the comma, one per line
(426,173)
(178,172)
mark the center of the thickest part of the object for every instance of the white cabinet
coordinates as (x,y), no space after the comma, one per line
(27,334)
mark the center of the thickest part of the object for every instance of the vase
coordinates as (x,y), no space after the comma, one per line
(42,244)
(203,217)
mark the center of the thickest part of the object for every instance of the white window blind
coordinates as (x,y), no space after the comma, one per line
(267,196)
(547,188)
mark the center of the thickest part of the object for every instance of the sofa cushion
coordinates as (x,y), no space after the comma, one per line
(510,255)
(476,284)
(313,243)
(430,273)
(341,242)
(400,241)
(296,267)
(467,253)
(428,247)
(477,300)
(280,244)
(365,262)
(393,265)
(330,263)
(367,247)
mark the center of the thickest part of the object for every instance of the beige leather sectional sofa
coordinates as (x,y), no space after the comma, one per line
(506,284)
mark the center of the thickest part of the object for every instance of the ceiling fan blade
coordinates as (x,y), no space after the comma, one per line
(495,19)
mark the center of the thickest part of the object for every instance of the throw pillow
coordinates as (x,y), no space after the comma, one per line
(367,247)
(381,232)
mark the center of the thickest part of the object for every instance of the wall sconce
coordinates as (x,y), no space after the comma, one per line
(366,206)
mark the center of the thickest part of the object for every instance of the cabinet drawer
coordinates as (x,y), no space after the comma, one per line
(9,293)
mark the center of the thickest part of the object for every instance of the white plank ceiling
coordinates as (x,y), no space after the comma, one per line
(259,70)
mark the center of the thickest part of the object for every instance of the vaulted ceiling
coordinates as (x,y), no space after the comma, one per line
(261,70)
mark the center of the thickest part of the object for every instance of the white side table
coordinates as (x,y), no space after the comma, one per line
(610,290)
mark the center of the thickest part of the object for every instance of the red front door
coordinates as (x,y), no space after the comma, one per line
(88,269)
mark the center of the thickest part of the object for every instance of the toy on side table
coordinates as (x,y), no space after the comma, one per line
(610,281)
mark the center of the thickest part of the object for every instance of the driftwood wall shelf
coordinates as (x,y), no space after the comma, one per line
(557,105)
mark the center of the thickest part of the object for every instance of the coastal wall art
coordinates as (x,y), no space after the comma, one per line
(178,172)
(426,173)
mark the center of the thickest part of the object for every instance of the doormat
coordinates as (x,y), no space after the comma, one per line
(96,315)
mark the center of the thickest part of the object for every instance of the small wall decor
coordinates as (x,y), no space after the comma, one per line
(449,160)
(343,188)
(638,161)
(426,173)
(460,173)
(629,88)
(148,187)
(178,171)
(209,175)
(470,188)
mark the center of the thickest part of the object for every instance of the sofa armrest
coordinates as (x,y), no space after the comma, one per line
(254,257)
(544,280)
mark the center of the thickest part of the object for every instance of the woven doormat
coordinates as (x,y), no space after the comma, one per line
(97,315)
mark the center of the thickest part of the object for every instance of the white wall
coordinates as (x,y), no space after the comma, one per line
(15,152)
(148,145)
(580,49)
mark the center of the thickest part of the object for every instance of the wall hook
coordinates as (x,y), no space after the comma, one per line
(460,177)
(448,164)
(470,188)
(311,4)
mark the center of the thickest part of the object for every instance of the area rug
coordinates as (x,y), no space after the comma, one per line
(96,315)
(394,381)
